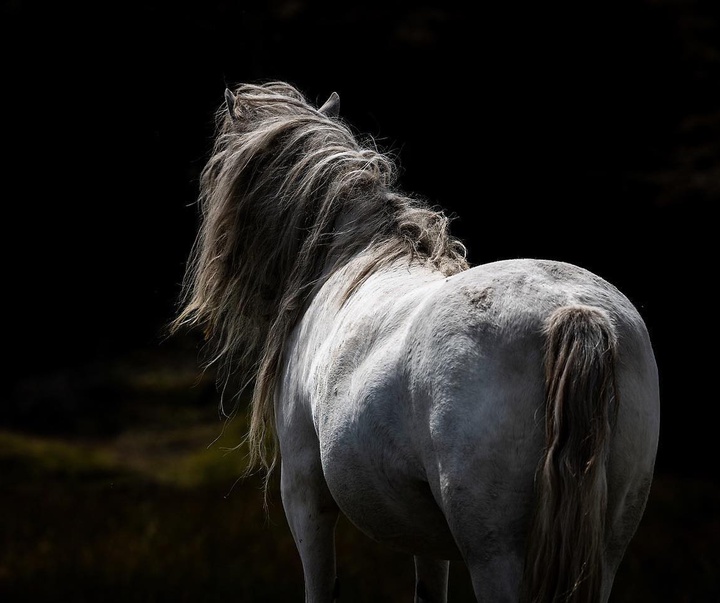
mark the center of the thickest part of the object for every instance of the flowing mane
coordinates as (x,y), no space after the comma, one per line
(288,196)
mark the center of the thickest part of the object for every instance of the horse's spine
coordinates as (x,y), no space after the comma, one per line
(565,541)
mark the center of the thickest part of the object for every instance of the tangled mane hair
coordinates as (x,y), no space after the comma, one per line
(281,176)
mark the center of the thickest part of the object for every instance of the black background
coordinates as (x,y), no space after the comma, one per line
(585,132)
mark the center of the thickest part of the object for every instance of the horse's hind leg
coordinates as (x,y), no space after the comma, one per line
(312,515)
(431,580)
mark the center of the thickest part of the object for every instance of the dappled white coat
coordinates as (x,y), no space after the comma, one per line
(416,408)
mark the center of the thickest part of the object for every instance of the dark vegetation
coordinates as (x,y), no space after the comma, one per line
(147,506)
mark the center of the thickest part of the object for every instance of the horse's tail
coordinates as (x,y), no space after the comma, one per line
(565,543)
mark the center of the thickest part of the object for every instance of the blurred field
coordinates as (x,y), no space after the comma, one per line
(147,507)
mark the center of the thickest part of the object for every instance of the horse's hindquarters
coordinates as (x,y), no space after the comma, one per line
(380,492)
(430,412)
(481,369)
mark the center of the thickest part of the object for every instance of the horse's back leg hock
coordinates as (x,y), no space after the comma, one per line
(431,580)
(497,578)
(312,516)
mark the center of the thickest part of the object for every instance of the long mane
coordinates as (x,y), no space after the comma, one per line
(288,195)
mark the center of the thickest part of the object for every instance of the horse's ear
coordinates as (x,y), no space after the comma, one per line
(230,102)
(331,107)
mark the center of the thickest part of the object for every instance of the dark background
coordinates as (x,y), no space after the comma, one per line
(588,133)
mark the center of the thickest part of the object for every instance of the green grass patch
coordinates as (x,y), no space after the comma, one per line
(131,492)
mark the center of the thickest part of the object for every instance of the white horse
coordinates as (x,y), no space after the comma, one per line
(504,415)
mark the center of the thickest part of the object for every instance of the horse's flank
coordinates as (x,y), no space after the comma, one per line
(287,197)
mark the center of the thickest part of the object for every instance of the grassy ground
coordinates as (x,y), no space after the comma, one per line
(153,512)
